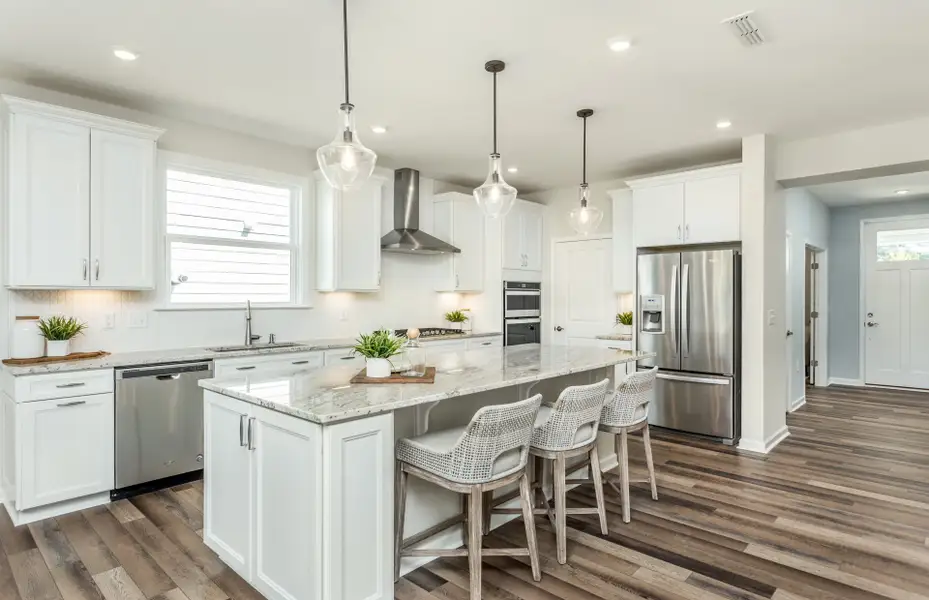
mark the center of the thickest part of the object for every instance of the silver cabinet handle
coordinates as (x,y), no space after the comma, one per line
(687,231)
(73,403)
(251,434)
(486,343)
(457,281)
(347,358)
(300,362)
(248,368)
(678,232)
(271,339)
(97,269)
(71,385)
(242,440)
(85,269)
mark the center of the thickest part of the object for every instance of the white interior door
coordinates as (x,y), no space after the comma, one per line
(584,304)
(896,263)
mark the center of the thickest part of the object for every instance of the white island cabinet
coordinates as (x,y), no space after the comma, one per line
(299,466)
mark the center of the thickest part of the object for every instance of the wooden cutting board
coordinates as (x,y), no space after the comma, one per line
(42,360)
(429,377)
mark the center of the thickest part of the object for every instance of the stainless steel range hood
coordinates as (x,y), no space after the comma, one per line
(406,236)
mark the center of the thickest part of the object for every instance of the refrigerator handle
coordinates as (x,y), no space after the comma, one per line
(685,312)
(673,326)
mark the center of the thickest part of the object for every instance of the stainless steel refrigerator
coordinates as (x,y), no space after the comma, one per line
(688,305)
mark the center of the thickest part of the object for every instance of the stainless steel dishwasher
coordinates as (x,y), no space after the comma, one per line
(159,425)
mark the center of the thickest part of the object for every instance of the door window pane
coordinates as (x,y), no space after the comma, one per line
(903,244)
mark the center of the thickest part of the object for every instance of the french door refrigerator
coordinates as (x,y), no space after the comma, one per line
(689,315)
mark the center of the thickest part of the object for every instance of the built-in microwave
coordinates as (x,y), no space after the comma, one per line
(522,299)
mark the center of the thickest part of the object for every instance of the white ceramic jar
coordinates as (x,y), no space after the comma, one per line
(27,340)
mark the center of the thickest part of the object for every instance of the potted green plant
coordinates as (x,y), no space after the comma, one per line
(377,347)
(58,332)
(456,318)
(624,322)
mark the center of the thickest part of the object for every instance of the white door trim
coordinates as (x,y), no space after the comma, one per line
(862,287)
(789,320)
(822,307)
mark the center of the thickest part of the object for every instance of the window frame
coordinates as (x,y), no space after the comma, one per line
(300,227)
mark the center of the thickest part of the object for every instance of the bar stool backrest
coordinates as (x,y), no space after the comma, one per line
(629,405)
(574,418)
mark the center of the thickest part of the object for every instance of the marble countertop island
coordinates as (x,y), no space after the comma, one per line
(325,395)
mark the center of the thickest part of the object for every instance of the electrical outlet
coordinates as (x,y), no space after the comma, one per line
(343,316)
(109,320)
(138,319)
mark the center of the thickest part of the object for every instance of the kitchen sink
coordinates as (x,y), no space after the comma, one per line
(254,347)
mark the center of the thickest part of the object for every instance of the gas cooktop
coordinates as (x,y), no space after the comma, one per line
(428,332)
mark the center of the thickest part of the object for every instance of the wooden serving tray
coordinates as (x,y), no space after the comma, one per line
(42,360)
(429,377)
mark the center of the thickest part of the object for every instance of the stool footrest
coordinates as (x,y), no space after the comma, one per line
(452,552)
(578,481)
(428,533)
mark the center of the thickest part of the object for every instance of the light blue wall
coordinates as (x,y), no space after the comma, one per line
(845,317)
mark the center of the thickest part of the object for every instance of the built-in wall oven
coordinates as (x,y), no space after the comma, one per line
(522,313)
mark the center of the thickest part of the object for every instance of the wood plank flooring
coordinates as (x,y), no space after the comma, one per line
(840,510)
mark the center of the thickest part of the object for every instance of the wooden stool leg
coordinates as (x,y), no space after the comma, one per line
(647,438)
(624,474)
(529,519)
(400,481)
(475,521)
(561,524)
(487,500)
(597,476)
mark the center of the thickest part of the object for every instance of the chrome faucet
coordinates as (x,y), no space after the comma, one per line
(249,338)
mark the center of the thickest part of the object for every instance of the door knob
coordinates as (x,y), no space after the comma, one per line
(559,328)
(789,333)
(871,324)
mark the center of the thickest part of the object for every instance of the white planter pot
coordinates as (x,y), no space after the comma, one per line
(626,329)
(57,347)
(377,367)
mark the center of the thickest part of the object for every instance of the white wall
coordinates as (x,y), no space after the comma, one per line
(407,297)
(807,221)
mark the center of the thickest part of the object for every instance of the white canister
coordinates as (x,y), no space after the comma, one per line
(27,340)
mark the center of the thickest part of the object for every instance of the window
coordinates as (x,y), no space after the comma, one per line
(230,239)
(902,245)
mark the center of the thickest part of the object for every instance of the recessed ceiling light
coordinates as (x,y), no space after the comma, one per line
(512,170)
(619,44)
(902,192)
(378,129)
(723,124)
(123,54)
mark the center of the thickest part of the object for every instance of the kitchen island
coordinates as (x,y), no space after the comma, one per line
(298,470)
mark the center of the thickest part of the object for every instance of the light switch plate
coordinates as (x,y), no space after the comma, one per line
(138,319)
(109,320)
(771,317)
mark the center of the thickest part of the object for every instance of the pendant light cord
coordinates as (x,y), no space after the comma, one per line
(585,153)
(495,112)
(345,44)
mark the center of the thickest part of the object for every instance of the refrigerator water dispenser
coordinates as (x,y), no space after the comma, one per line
(652,320)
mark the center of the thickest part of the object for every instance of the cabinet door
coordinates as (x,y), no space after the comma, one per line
(121,216)
(359,242)
(8,441)
(468,236)
(513,239)
(711,210)
(623,244)
(49,203)
(659,215)
(67,449)
(532,236)
(288,506)
(228,485)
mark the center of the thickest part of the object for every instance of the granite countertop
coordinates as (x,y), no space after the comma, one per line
(151,357)
(326,396)
(618,337)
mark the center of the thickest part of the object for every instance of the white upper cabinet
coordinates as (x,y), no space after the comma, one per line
(348,236)
(459,221)
(79,197)
(696,207)
(624,266)
(522,237)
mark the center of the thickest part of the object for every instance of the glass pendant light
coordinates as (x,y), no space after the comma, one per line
(345,161)
(495,196)
(585,218)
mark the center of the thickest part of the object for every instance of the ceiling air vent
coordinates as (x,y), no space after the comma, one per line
(744,27)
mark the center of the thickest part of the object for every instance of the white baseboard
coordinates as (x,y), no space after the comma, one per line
(844,381)
(799,402)
(766,446)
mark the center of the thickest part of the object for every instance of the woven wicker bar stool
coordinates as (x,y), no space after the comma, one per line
(565,430)
(488,453)
(627,412)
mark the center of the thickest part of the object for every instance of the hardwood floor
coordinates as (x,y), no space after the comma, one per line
(840,510)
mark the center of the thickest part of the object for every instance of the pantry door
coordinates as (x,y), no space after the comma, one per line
(896,291)
(583,301)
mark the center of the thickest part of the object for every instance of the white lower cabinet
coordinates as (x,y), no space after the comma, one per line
(485,342)
(300,511)
(266,363)
(66,449)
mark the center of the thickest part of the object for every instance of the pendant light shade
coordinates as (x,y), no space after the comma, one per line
(586,218)
(495,196)
(346,162)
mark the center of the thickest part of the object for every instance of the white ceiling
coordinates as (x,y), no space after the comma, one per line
(877,189)
(274,67)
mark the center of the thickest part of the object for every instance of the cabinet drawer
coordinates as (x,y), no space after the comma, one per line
(251,365)
(491,342)
(343,356)
(63,385)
